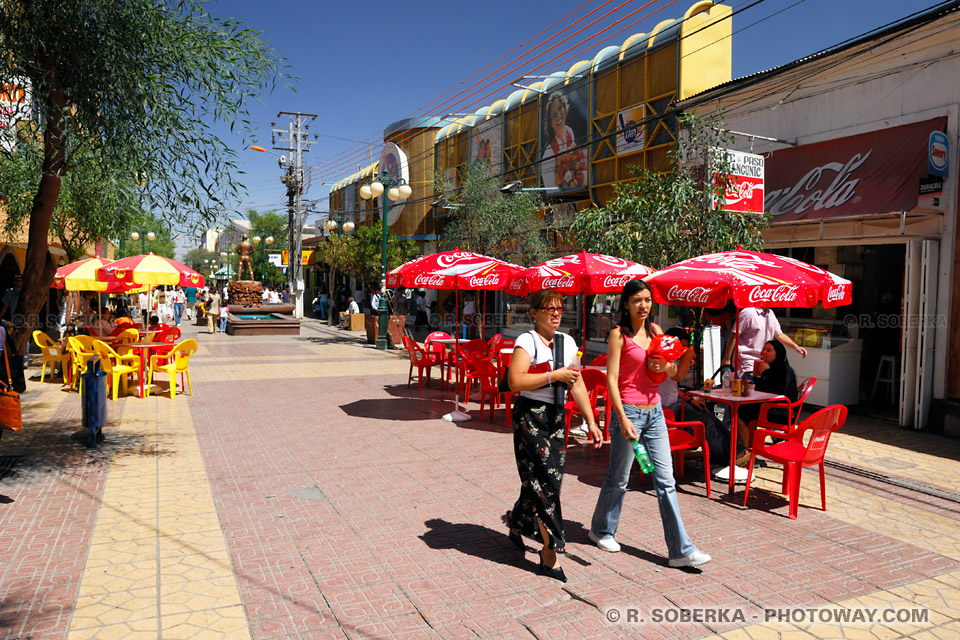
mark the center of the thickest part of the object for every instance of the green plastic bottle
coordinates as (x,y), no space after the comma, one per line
(643,458)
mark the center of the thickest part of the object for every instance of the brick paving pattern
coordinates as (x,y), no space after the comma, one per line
(305,492)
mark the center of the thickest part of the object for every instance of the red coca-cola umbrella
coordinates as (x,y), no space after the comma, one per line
(454,270)
(750,279)
(579,273)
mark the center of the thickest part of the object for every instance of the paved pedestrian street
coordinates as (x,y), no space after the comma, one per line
(304,491)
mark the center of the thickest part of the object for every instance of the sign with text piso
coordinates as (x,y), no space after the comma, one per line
(744,193)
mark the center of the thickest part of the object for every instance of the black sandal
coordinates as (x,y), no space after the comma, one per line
(515,538)
(556,573)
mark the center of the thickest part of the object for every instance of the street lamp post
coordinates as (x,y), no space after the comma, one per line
(143,236)
(396,189)
(336,224)
(263,253)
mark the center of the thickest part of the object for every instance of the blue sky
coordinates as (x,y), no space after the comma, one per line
(363,66)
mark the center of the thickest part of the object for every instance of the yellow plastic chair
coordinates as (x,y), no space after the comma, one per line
(81,351)
(127,337)
(53,352)
(172,363)
(113,364)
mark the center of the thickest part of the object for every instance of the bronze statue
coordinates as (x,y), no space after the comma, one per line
(244,250)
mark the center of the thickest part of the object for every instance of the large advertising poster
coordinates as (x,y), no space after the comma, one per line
(563,130)
(393,164)
(14,106)
(630,130)
(485,145)
(877,172)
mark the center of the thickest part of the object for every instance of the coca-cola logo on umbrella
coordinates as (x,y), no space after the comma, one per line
(782,294)
(693,295)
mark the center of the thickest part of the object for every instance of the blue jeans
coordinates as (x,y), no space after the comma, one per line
(652,430)
(177,313)
(223,324)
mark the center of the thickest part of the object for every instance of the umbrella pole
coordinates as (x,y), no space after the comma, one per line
(456,415)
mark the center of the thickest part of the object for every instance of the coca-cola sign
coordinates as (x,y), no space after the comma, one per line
(691,295)
(558,282)
(875,172)
(784,293)
(615,283)
(430,281)
(482,282)
(836,293)
(744,189)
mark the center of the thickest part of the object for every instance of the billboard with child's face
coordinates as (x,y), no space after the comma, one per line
(485,145)
(563,134)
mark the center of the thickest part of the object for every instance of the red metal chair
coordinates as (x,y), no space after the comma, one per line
(420,359)
(596,383)
(794,455)
(447,357)
(792,408)
(682,440)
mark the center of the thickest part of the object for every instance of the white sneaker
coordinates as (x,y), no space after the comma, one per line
(579,431)
(740,475)
(605,544)
(695,559)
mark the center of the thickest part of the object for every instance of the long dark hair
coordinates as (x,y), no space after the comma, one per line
(629,290)
(780,362)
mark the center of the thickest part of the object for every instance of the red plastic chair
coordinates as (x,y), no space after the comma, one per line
(682,440)
(793,410)
(599,361)
(469,353)
(447,356)
(420,359)
(490,387)
(168,335)
(794,455)
(118,330)
(596,383)
(508,343)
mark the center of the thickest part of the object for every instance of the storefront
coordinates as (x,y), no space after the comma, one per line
(861,180)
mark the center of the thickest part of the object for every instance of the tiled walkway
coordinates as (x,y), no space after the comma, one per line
(305,492)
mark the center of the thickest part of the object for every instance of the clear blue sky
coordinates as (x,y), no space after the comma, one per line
(362,66)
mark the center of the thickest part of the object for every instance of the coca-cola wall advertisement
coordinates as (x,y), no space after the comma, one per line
(744,192)
(876,172)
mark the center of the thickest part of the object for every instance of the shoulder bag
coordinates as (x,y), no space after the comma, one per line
(10,415)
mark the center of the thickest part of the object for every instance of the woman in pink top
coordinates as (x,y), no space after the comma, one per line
(635,399)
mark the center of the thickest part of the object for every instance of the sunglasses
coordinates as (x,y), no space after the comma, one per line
(552,310)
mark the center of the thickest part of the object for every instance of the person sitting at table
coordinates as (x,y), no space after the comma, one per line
(773,374)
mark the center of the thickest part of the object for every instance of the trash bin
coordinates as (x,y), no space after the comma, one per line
(94,400)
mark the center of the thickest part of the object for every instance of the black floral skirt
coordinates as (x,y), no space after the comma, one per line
(538,438)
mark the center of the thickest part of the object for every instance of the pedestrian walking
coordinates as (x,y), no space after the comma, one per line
(638,414)
(538,429)
(212,308)
(179,298)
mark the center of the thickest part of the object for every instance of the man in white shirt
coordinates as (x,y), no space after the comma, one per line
(375,301)
(755,328)
(266,295)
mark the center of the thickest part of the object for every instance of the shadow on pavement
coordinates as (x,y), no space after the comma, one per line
(472,539)
(397,408)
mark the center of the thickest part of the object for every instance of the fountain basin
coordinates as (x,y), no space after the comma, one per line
(255,323)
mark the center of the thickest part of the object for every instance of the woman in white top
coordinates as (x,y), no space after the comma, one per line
(538,431)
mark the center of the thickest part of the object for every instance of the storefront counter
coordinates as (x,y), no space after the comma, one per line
(837,369)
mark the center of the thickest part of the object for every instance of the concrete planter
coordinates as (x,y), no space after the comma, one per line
(395,328)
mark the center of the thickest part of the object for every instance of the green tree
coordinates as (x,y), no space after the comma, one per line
(93,203)
(265,225)
(195,257)
(141,83)
(364,253)
(489,222)
(662,218)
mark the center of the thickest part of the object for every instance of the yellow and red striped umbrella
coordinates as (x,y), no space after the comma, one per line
(150,269)
(82,276)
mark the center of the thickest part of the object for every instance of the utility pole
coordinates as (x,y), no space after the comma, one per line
(294,142)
